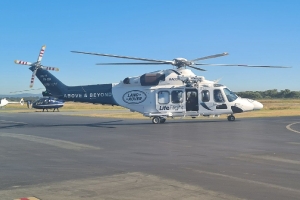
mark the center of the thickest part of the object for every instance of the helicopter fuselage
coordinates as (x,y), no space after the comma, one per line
(46,103)
(183,101)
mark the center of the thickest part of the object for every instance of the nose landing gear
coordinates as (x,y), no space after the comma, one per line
(231,118)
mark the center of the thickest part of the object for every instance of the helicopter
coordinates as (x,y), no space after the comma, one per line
(48,102)
(4,102)
(161,94)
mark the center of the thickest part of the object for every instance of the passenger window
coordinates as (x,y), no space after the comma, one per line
(177,96)
(205,96)
(163,97)
(218,96)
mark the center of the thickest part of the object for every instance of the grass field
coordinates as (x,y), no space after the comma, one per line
(272,108)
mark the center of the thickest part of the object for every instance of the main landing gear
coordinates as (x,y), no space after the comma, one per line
(231,118)
(158,120)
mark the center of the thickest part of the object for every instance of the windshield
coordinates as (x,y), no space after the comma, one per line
(231,96)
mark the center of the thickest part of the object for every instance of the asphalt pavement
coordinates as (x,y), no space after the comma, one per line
(55,156)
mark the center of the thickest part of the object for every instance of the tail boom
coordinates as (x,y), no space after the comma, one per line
(97,94)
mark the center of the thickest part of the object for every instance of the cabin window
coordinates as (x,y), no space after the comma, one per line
(177,96)
(205,96)
(163,97)
(231,96)
(218,96)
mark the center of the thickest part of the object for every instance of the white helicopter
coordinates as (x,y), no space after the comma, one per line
(4,102)
(161,94)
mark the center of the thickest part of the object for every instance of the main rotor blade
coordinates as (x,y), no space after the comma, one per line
(41,53)
(26,90)
(212,56)
(144,63)
(240,65)
(50,68)
(125,57)
(20,62)
(196,68)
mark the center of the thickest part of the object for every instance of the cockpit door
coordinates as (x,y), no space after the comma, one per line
(219,99)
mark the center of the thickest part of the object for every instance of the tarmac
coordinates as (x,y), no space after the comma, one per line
(55,156)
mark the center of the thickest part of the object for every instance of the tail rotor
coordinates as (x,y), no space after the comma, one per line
(36,65)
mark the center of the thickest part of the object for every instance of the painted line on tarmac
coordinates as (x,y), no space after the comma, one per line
(52,142)
(269,185)
(254,158)
(14,122)
(296,143)
(289,127)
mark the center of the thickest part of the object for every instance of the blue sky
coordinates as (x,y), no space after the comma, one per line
(253,32)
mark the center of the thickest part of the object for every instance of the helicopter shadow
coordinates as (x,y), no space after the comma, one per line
(106,124)
(109,124)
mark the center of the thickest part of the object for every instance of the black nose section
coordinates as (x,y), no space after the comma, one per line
(236,109)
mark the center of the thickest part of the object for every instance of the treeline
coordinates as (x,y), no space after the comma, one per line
(270,94)
(17,99)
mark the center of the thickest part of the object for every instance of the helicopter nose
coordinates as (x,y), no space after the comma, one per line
(247,105)
(257,105)
(242,105)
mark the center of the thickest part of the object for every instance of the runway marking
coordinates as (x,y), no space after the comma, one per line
(266,157)
(289,127)
(52,142)
(5,121)
(297,143)
(133,186)
(269,185)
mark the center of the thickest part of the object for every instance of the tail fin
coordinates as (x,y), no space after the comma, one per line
(22,101)
(54,86)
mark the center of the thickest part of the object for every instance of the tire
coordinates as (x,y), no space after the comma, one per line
(155,120)
(231,118)
(162,120)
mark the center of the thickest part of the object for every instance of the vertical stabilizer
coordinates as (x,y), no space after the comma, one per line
(54,86)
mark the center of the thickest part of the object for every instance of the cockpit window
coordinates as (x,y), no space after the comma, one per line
(231,96)
(218,96)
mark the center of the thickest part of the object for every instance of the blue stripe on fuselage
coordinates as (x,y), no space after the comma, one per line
(98,94)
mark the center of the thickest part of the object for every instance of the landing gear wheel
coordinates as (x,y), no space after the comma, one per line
(156,120)
(231,118)
(162,120)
